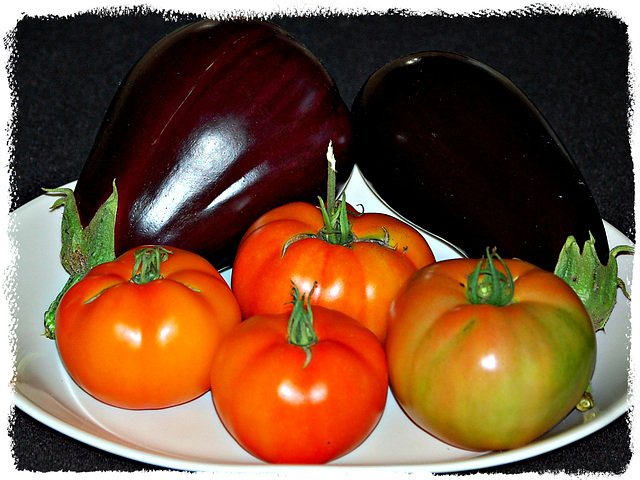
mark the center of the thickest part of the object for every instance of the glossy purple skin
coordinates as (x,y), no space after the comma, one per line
(217,124)
(455,147)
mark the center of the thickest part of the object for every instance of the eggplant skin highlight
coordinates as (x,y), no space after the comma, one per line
(455,147)
(216,124)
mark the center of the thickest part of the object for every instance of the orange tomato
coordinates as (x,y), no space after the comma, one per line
(358,275)
(140,332)
(291,389)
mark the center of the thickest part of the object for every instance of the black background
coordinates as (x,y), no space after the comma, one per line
(574,67)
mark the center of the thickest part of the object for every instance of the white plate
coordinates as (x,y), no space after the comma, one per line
(190,436)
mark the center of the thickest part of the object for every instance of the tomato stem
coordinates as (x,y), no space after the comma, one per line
(331,177)
(337,229)
(147,262)
(335,215)
(300,330)
(586,401)
(489,286)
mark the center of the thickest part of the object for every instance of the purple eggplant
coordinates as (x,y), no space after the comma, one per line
(455,147)
(216,124)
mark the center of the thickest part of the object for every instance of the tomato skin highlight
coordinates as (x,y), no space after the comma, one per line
(482,377)
(281,412)
(145,346)
(359,280)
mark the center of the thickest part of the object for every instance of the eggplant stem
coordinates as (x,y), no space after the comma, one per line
(596,284)
(586,401)
(82,247)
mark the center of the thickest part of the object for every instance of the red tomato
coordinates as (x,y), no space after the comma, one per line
(140,332)
(488,376)
(358,275)
(300,390)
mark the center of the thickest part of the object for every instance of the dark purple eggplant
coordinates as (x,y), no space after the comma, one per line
(455,147)
(218,123)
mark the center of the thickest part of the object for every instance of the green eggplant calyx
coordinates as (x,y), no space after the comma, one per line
(82,248)
(300,330)
(596,284)
(147,263)
(488,285)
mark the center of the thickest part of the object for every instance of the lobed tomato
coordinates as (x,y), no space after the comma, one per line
(307,386)
(356,262)
(488,375)
(140,332)
(358,276)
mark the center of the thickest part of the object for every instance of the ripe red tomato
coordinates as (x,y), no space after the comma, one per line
(485,376)
(357,274)
(140,332)
(300,387)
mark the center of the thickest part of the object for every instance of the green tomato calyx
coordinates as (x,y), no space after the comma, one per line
(147,262)
(300,330)
(335,215)
(488,285)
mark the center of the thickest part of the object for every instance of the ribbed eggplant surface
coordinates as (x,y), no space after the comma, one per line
(455,147)
(215,125)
